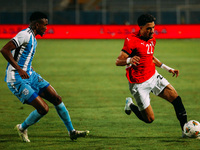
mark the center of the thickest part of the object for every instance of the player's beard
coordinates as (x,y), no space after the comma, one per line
(150,35)
(41,33)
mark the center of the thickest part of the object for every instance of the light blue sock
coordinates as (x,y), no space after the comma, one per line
(64,115)
(31,119)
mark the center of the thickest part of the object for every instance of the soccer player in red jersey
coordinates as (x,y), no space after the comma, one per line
(137,56)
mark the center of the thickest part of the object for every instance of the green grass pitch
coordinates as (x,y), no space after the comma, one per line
(94,90)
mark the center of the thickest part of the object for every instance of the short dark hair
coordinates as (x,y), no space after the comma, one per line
(145,18)
(37,15)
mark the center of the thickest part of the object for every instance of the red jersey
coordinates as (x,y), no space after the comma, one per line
(135,45)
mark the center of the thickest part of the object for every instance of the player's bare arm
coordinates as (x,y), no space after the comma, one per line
(163,66)
(124,59)
(6,52)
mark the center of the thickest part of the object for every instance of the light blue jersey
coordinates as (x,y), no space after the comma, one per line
(26,43)
(26,90)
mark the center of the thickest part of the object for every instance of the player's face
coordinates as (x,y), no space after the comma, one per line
(147,30)
(42,27)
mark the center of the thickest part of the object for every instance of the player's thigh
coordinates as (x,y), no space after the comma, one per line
(169,93)
(40,105)
(141,94)
(38,83)
(44,89)
(51,95)
(159,83)
(23,91)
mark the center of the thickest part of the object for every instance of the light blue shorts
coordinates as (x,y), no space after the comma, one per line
(26,90)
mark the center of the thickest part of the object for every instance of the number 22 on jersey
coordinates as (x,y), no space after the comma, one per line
(149,48)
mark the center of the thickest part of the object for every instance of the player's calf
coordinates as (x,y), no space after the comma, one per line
(180,111)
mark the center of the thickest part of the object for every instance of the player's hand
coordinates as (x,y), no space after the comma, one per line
(174,72)
(23,74)
(135,60)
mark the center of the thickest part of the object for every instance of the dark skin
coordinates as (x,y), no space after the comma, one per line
(169,93)
(39,27)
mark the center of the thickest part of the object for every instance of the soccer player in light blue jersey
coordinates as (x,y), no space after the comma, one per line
(28,86)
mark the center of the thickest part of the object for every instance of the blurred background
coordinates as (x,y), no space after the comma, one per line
(118,12)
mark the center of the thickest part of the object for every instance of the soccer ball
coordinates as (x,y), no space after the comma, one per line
(192,129)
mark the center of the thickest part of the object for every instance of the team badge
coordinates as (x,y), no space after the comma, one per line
(25,91)
(40,79)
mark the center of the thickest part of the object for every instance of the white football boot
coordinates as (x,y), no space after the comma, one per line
(22,134)
(127,105)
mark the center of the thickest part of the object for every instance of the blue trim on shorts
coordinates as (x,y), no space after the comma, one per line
(42,89)
(33,96)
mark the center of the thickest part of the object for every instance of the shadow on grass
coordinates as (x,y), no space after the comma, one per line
(65,138)
(14,138)
(7,137)
(180,140)
(160,139)
(166,139)
(105,137)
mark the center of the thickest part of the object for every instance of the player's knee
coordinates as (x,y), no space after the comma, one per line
(150,119)
(44,110)
(58,100)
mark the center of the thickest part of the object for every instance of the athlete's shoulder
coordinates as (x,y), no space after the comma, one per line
(132,38)
(22,37)
(25,32)
(133,35)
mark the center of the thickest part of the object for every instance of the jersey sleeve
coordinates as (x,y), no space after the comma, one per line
(21,38)
(128,46)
